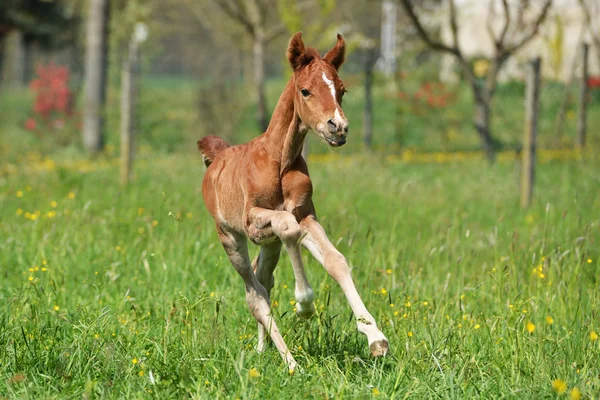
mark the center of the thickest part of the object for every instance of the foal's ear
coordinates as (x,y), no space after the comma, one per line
(295,51)
(336,55)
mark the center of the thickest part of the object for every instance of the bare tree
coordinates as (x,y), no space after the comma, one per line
(505,46)
(96,63)
(252,15)
(589,10)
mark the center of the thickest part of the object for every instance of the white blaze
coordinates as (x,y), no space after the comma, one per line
(331,86)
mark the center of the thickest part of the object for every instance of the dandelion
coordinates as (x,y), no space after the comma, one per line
(56,308)
(593,336)
(19,211)
(44,269)
(141,373)
(154,223)
(30,278)
(530,327)
(141,211)
(212,294)
(375,392)
(425,303)
(589,260)
(53,204)
(71,195)
(189,215)
(529,219)
(19,193)
(409,334)
(407,304)
(549,320)
(253,373)
(206,383)
(559,386)
(575,394)
(134,360)
(392,305)
(477,326)
(275,303)
(388,271)
(383,291)
(118,248)
(96,336)
(36,268)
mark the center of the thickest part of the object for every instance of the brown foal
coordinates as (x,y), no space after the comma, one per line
(261,191)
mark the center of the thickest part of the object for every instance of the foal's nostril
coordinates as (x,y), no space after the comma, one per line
(331,126)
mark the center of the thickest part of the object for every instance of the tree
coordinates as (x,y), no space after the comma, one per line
(253,16)
(48,23)
(513,23)
(96,66)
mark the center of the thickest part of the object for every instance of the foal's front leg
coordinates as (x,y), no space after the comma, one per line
(285,226)
(317,242)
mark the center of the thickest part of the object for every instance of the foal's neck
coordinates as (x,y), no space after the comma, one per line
(284,136)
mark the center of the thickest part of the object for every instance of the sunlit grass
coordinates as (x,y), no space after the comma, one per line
(127,293)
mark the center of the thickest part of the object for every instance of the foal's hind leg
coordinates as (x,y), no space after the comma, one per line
(263,267)
(256,295)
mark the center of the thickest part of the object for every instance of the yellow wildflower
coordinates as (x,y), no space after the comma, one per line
(477,326)
(593,336)
(154,223)
(388,271)
(383,291)
(19,211)
(189,215)
(589,260)
(56,308)
(118,248)
(559,386)
(30,278)
(19,193)
(253,373)
(409,334)
(549,320)
(141,231)
(375,392)
(53,204)
(141,211)
(71,195)
(135,360)
(141,373)
(530,327)
(575,394)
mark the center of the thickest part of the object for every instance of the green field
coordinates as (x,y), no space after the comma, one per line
(127,293)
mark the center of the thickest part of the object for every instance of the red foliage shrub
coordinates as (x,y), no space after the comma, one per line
(53,98)
(594,82)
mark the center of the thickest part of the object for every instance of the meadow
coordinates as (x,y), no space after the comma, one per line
(126,293)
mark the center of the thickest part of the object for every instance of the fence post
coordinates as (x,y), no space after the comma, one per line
(529,139)
(129,94)
(583,94)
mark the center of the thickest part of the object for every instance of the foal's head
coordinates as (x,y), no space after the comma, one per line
(319,90)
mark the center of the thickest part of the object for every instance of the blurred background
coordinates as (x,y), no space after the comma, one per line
(424,80)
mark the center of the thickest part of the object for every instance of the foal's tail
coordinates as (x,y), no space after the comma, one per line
(210,146)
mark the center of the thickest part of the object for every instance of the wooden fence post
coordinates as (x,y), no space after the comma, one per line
(531,124)
(583,94)
(129,94)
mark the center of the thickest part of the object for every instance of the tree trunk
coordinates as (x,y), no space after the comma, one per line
(14,61)
(129,94)
(481,120)
(258,52)
(368,110)
(95,75)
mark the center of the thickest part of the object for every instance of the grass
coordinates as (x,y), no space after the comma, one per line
(126,293)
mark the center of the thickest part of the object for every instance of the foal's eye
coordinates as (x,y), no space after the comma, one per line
(305,92)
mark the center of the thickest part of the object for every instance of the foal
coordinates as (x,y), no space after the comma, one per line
(261,191)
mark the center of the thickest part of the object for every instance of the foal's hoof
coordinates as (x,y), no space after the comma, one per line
(379,348)
(305,311)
